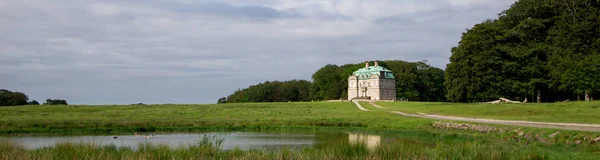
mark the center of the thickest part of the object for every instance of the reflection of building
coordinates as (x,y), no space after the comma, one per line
(372,83)
(371,141)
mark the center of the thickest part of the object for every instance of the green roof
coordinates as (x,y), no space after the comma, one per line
(366,73)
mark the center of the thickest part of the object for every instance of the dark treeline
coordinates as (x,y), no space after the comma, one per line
(10,98)
(294,90)
(55,102)
(415,81)
(542,50)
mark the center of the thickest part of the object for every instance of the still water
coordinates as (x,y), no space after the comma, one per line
(231,140)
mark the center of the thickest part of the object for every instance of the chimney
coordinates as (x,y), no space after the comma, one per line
(366,64)
(376,64)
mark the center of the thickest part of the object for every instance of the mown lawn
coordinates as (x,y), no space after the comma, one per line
(257,116)
(573,112)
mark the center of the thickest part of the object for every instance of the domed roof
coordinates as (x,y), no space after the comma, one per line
(367,72)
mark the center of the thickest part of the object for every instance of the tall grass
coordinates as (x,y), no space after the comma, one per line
(209,149)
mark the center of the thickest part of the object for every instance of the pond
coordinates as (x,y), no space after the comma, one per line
(230,140)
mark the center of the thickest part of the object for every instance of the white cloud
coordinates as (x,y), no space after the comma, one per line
(103,9)
(359,9)
(196,51)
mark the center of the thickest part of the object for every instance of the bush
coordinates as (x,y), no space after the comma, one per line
(55,102)
(9,98)
(34,102)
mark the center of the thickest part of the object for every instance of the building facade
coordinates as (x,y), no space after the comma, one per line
(372,83)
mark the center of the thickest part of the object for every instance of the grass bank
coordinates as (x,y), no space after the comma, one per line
(154,118)
(570,112)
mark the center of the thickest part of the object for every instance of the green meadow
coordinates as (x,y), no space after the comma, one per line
(416,138)
(242,116)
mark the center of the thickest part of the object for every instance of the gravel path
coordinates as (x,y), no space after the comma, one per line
(378,106)
(360,106)
(565,126)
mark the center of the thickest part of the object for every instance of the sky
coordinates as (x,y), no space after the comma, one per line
(195,51)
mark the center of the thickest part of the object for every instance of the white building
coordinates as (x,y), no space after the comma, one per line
(372,83)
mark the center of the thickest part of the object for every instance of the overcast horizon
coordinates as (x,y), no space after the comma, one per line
(189,52)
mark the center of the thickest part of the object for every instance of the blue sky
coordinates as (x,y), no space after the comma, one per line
(195,51)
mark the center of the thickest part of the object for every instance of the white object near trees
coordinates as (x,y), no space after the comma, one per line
(372,83)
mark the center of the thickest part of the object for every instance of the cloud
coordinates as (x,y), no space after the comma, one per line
(188,51)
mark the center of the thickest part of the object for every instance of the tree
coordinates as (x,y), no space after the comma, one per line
(327,84)
(294,90)
(34,102)
(9,98)
(416,81)
(55,102)
(541,49)
(222,100)
(576,46)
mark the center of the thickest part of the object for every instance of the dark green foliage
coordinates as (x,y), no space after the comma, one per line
(294,90)
(9,98)
(222,100)
(546,50)
(327,83)
(34,102)
(55,102)
(331,82)
(415,81)
(576,46)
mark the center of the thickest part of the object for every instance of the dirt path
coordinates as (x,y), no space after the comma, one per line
(360,106)
(375,105)
(565,126)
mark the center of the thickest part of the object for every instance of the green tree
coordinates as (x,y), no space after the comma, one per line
(327,84)
(539,49)
(55,102)
(222,100)
(34,102)
(294,90)
(576,46)
(9,98)
(416,81)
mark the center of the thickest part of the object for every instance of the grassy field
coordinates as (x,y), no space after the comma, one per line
(253,116)
(419,139)
(574,112)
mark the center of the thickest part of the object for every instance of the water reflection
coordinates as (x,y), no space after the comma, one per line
(230,140)
(371,141)
(241,140)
